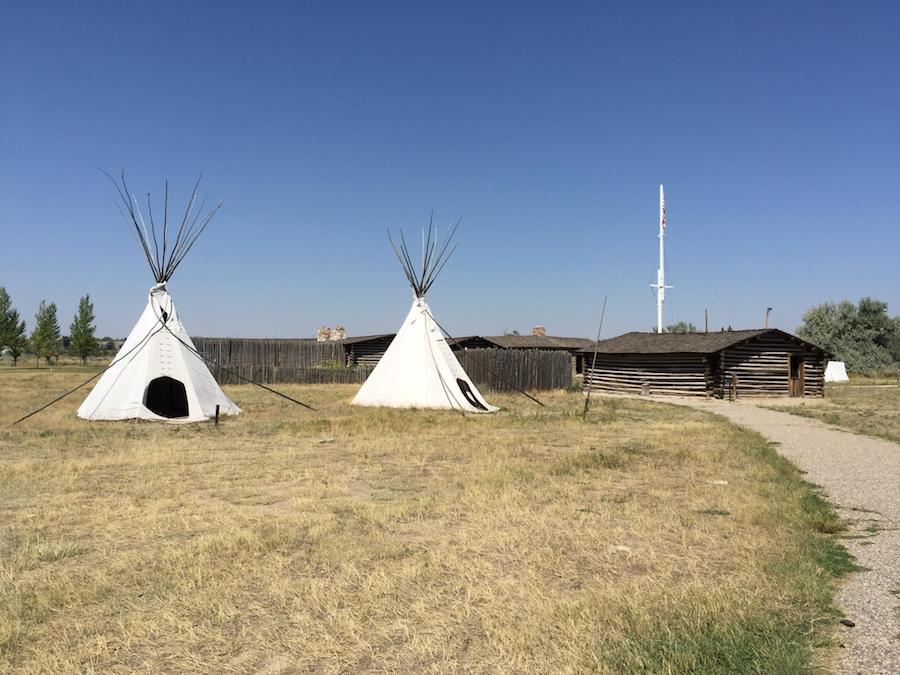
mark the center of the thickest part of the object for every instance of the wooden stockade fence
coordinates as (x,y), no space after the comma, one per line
(279,361)
(312,362)
(508,369)
(269,352)
(289,375)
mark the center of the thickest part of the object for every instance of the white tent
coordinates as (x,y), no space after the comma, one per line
(419,370)
(158,374)
(836,371)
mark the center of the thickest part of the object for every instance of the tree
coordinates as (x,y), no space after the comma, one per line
(12,330)
(5,318)
(81,333)
(681,327)
(17,340)
(45,339)
(894,343)
(863,335)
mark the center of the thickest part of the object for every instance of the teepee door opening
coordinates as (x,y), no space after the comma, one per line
(166,397)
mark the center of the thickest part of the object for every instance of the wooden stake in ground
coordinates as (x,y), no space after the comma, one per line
(587,398)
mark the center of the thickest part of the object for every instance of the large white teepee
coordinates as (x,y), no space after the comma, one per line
(419,370)
(158,374)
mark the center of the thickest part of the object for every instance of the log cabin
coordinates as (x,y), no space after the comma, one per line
(727,364)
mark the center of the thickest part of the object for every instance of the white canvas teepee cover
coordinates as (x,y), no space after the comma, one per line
(836,371)
(156,377)
(419,370)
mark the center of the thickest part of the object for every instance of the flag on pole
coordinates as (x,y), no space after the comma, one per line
(662,209)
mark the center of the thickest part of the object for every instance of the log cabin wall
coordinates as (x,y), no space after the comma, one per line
(815,374)
(762,367)
(369,352)
(673,374)
(759,362)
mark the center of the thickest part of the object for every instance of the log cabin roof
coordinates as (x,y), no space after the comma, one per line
(539,342)
(367,338)
(499,341)
(390,336)
(688,343)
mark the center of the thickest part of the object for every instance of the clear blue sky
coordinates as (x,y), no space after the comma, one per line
(547,128)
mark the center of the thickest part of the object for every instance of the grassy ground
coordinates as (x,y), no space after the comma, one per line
(872,410)
(887,377)
(649,539)
(66,363)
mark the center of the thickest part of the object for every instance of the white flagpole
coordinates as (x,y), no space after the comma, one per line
(660,284)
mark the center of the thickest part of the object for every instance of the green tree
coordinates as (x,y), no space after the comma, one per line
(45,338)
(681,327)
(17,341)
(863,335)
(894,342)
(81,333)
(5,317)
(12,330)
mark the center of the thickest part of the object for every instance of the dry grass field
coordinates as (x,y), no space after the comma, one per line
(649,539)
(872,410)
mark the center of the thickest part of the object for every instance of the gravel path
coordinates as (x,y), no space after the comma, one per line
(862,476)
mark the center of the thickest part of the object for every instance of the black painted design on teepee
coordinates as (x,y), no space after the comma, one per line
(469,394)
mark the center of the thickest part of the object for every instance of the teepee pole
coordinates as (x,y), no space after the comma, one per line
(587,398)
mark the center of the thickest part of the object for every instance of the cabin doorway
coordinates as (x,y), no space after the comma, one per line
(797,379)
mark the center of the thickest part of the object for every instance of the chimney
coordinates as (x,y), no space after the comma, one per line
(539,331)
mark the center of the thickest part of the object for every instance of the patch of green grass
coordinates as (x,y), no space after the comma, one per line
(54,552)
(822,523)
(833,558)
(634,447)
(819,514)
(587,461)
(678,642)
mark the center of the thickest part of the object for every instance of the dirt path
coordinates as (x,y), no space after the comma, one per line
(862,476)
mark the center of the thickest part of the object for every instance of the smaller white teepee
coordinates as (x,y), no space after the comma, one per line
(419,370)
(158,373)
(836,371)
